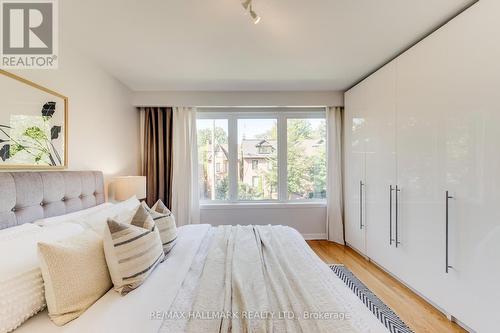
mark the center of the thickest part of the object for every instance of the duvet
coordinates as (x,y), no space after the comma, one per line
(263,279)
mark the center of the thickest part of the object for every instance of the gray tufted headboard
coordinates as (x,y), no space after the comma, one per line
(29,196)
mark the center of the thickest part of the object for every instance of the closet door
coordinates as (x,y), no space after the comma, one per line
(355,159)
(381,166)
(420,173)
(472,177)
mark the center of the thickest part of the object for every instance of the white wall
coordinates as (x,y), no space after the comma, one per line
(309,220)
(103,125)
(238,98)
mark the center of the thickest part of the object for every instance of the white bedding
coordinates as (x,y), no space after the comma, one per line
(254,273)
(174,286)
(114,313)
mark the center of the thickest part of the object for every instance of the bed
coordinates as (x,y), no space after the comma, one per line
(215,279)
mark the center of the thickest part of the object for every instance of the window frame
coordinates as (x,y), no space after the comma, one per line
(281,114)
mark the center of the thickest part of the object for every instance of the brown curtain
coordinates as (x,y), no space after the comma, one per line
(157,154)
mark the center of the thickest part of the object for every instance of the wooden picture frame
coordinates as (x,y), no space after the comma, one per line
(33,125)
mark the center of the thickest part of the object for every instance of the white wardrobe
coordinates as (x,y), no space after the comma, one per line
(422,150)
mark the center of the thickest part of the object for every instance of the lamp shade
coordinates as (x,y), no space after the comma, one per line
(126,187)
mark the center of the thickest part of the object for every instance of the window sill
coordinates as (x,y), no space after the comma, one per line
(262,205)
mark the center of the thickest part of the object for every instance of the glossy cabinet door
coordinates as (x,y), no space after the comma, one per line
(472,179)
(381,174)
(354,175)
(420,213)
(471,162)
(447,125)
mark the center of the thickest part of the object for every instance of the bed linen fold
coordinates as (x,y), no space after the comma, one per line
(264,279)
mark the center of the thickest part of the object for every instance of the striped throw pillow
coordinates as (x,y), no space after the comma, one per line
(132,250)
(165,222)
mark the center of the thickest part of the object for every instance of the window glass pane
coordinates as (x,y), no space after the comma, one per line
(306,156)
(213,159)
(257,159)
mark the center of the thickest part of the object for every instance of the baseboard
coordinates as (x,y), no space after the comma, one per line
(361,254)
(314,236)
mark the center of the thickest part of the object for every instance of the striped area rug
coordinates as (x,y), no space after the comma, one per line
(384,313)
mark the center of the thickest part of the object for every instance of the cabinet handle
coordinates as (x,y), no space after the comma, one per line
(448,197)
(390,214)
(397,189)
(361,204)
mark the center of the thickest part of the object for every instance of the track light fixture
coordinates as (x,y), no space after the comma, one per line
(247,4)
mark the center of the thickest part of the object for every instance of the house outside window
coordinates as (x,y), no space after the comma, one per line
(255,164)
(267,149)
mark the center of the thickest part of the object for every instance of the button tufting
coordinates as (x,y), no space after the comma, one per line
(63,199)
(13,209)
(41,204)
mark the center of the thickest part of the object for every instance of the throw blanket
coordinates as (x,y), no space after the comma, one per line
(263,279)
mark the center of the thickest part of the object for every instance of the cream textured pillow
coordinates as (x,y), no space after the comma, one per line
(75,275)
(165,221)
(21,283)
(132,250)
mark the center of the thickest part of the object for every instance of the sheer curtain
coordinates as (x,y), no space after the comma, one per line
(185,194)
(335,212)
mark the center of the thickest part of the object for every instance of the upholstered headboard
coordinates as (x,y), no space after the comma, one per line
(29,196)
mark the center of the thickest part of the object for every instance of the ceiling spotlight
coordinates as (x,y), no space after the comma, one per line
(247,4)
(254,16)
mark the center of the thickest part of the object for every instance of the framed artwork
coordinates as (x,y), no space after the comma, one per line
(33,125)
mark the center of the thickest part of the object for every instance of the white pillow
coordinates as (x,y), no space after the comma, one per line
(18,232)
(122,212)
(21,284)
(75,275)
(71,216)
(129,204)
(96,219)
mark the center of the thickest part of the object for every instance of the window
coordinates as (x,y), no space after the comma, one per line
(212,153)
(265,149)
(306,158)
(255,181)
(255,164)
(253,136)
(262,154)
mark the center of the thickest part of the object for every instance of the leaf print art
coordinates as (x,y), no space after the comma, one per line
(33,136)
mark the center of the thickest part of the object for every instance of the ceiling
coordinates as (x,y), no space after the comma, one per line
(213,45)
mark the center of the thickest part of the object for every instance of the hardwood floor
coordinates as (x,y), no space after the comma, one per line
(419,315)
